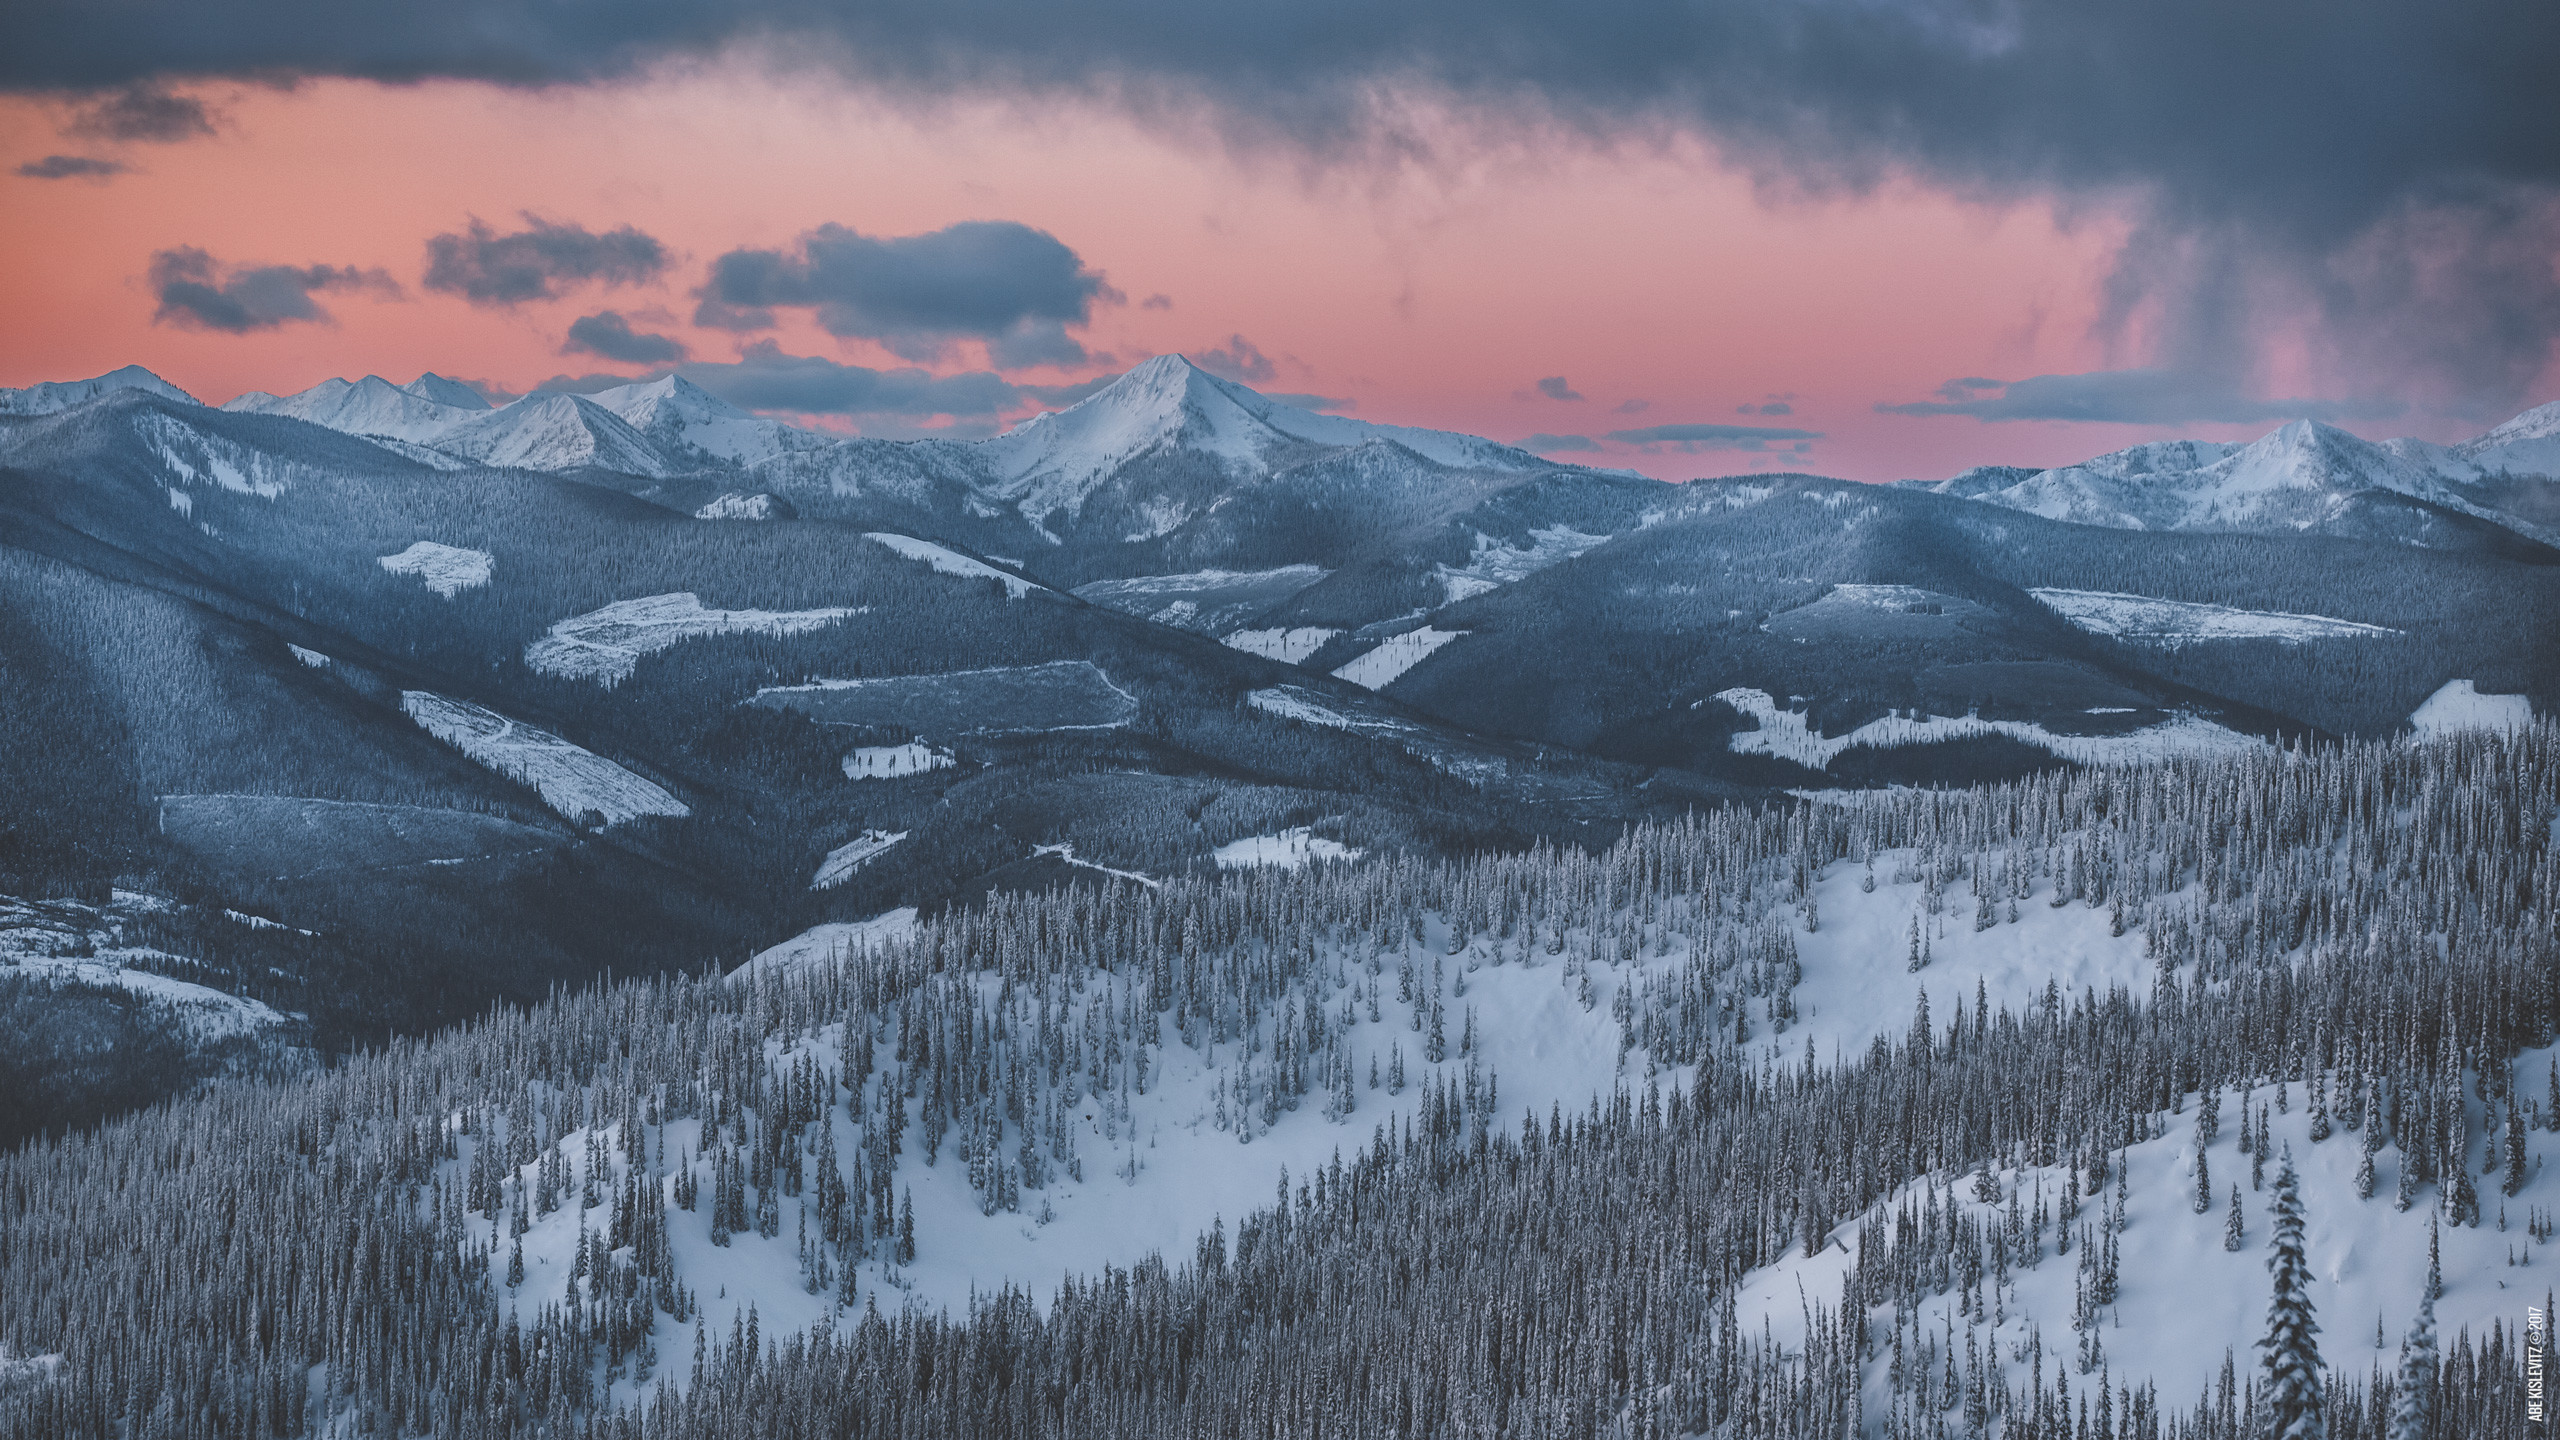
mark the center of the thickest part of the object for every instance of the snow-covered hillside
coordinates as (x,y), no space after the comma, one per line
(448,570)
(1387,662)
(372,406)
(56,395)
(947,561)
(2174,623)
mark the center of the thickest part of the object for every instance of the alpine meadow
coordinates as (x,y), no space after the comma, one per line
(961,794)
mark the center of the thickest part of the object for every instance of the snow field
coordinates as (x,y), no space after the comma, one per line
(1497,563)
(828,944)
(1291,849)
(852,855)
(606,645)
(2368,1258)
(1784,734)
(2458,705)
(1289,647)
(887,762)
(571,780)
(1384,665)
(952,562)
(448,570)
(2174,623)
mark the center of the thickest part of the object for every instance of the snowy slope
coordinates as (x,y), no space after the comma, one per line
(888,762)
(2527,445)
(1496,563)
(432,386)
(448,570)
(571,779)
(2369,1260)
(843,860)
(555,432)
(1291,849)
(1289,647)
(2174,623)
(1784,734)
(676,413)
(53,395)
(606,645)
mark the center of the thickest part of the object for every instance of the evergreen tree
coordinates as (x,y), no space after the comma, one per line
(2413,1402)
(2290,1392)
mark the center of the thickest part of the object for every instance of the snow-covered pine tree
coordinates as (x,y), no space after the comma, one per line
(2290,1394)
(2413,1401)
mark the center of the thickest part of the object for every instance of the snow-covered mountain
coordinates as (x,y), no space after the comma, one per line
(680,415)
(53,395)
(555,433)
(1169,407)
(371,407)
(2304,475)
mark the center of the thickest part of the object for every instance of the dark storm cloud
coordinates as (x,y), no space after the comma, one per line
(1695,438)
(1012,286)
(608,333)
(1239,360)
(199,293)
(2128,397)
(1545,444)
(70,167)
(764,378)
(140,111)
(540,262)
(1555,388)
(2377,175)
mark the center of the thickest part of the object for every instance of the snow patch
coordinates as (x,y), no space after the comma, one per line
(1067,853)
(312,658)
(1784,734)
(1289,647)
(828,944)
(888,762)
(571,780)
(952,562)
(606,645)
(843,860)
(2458,705)
(448,570)
(1383,666)
(1291,849)
(1497,563)
(2171,624)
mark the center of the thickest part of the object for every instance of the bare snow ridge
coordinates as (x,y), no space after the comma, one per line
(1381,667)
(843,860)
(1784,734)
(952,562)
(2174,623)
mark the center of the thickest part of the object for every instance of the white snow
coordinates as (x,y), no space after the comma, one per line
(606,645)
(887,762)
(1067,853)
(1784,734)
(1292,702)
(2175,623)
(1291,849)
(843,860)
(312,658)
(1382,666)
(448,570)
(952,562)
(372,407)
(2458,705)
(1497,563)
(570,779)
(203,1013)
(554,432)
(53,395)
(829,943)
(2368,1259)
(734,506)
(1289,647)
(182,502)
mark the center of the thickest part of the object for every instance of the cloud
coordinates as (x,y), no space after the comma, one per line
(1692,439)
(608,333)
(198,293)
(2128,397)
(540,262)
(1545,444)
(1633,407)
(1766,407)
(1007,284)
(140,111)
(68,167)
(1239,360)
(1332,403)
(1156,302)
(764,378)
(1554,388)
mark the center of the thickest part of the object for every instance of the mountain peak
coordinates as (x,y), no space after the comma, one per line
(431,386)
(52,395)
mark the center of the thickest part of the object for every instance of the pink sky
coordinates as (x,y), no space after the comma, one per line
(1437,296)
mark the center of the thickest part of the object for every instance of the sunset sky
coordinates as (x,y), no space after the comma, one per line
(1670,252)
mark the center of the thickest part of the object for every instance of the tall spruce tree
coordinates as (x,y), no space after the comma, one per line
(2290,1392)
